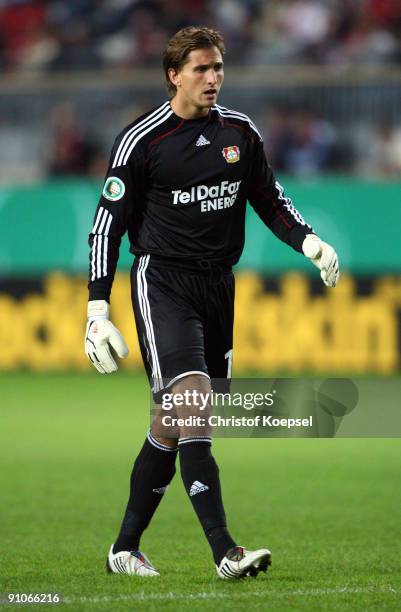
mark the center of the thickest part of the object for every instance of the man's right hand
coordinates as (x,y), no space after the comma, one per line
(100,335)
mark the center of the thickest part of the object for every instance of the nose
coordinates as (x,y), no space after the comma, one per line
(211,77)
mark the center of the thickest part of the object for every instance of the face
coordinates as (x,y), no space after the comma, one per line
(199,80)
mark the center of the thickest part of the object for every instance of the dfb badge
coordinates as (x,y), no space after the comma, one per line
(114,188)
(231,154)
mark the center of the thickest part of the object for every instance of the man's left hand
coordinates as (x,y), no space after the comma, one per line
(324,257)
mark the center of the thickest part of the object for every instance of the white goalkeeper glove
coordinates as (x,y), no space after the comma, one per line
(324,257)
(100,333)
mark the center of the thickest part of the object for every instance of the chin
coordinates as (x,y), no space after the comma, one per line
(209,103)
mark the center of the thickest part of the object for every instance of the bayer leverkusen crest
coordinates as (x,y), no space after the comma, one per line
(231,154)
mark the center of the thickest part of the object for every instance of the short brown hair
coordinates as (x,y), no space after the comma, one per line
(182,43)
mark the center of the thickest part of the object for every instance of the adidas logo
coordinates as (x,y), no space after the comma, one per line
(160,490)
(197,487)
(202,141)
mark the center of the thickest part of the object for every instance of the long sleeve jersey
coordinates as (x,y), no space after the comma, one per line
(180,188)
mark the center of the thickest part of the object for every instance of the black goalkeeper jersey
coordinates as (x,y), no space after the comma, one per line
(180,188)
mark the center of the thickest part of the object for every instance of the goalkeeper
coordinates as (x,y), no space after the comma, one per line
(178,182)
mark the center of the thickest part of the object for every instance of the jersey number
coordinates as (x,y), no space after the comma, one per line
(229,357)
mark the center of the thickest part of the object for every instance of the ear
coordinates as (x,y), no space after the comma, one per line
(174,77)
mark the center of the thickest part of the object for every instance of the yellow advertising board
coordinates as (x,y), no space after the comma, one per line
(290,330)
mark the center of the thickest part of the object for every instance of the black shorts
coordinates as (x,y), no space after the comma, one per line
(184,320)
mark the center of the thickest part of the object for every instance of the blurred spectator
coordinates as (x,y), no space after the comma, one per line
(385,13)
(299,143)
(367,41)
(383,155)
(302,27)
(21,23)
(235,19)
(71,152)
(328,31)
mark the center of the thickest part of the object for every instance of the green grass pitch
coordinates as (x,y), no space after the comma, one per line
(328,509)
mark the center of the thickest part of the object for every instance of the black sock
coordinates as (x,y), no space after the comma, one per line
(200,475)
(153,470)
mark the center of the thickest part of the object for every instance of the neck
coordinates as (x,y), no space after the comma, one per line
(186,110)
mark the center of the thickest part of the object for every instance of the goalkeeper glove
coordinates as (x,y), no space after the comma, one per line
(100,335)
(324,257)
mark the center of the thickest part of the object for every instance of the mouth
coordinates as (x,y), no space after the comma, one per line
(210,92)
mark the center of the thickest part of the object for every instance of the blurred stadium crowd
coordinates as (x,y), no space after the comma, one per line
(305,134)
(54,34)
(299,143)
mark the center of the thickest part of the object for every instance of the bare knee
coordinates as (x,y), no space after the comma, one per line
(194,408)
